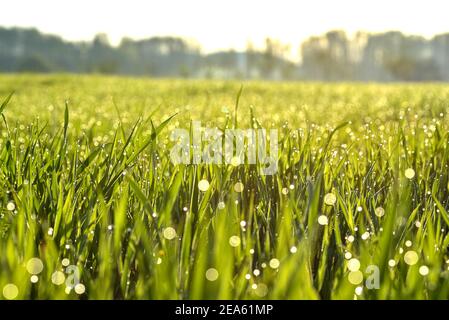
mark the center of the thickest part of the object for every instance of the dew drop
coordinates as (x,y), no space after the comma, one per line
(424,270)
(323,220)
(235,161)
(169,233)
(80,288)
(203,185)
(10,206)
(238,187)
(355,277)
(58,278)
(274,263)
(380,212)
(411,257)
(409,173)
(10,291)
(211,274)
(353,264)
(330,199)
(262,290)
(34,266)
(234,241)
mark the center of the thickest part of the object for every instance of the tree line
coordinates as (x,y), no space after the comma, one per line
(390,56)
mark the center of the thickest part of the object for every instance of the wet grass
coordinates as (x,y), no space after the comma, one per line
(358,207)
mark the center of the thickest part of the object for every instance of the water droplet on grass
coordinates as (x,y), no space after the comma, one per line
(411,257)
(355,277)
(10,206)
(234,241)
(323,220)
(424,270)
(239,187)
(10,291)
(203,185)
(380,212)
(169,233)
(359,291)
(409,173)
(34,266)
(262,290)
(65,262)
(80,288)
(330,199)
(211,274)
(235,161)
(274,263)
(353,264)
(58,278)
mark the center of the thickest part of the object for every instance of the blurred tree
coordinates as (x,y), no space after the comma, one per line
(327,57)
(274,57)
(102,58)
(34,64)
(390,56)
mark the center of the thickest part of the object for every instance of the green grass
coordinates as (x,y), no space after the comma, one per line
(85,163)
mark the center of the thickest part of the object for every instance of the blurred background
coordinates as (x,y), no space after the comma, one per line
(325,40)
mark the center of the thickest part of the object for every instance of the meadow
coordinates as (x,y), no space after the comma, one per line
(91,207)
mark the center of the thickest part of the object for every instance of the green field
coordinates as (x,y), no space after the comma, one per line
(91,207)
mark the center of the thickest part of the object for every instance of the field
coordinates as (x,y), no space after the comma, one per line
(92,207)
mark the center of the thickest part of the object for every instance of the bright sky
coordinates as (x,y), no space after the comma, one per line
(225,23)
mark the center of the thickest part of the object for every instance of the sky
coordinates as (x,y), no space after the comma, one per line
(226,23)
